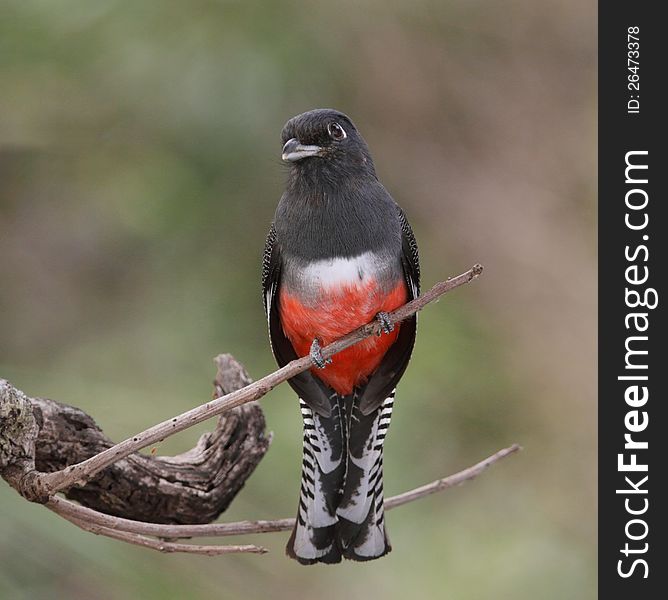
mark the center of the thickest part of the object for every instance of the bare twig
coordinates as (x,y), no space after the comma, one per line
(45,485)
(453,480)
(76,513)
(162,545)
(71,511)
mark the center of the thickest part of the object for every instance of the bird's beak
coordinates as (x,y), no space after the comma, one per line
(294,151)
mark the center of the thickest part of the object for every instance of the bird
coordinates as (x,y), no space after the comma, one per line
(339,254)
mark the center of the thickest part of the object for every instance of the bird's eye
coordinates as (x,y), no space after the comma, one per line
(336,132)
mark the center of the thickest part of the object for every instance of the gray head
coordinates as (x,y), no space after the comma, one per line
(325,141)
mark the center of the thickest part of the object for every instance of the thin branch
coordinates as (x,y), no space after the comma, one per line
(162,545)
(47,484)
(453,480)
(76,513)
(69,510)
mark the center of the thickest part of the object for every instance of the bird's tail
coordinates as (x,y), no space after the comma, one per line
(313,538)
(341,499)
(360,529)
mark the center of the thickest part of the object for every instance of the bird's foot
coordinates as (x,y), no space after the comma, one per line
(316,355)
(385,321)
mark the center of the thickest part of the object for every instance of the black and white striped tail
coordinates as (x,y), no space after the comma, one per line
(341,500)
(361,527)
(313,538)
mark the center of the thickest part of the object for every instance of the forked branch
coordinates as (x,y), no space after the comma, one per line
(234,449)
(43,486)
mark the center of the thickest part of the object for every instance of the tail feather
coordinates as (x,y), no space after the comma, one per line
(361,528)
(323,469)
(341,499)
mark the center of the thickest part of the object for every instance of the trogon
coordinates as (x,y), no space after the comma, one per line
(340,253)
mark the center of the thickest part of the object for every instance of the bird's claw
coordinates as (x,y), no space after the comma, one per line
(316,355)
(385,321)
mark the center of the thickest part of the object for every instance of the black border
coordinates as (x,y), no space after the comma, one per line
(619,133)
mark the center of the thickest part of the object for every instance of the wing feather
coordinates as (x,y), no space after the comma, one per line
(310,388)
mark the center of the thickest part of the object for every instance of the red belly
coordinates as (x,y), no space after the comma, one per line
(334,315)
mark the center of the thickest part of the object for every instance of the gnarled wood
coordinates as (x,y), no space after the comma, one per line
(194,487)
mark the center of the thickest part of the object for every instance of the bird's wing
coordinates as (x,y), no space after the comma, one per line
(270,270)
(410,257)
(394,363)
(309,388)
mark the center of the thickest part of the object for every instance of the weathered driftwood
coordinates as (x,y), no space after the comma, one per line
(194,487)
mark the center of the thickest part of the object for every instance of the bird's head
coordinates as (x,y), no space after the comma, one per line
(325,139)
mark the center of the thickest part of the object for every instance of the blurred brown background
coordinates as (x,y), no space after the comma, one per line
(139,171)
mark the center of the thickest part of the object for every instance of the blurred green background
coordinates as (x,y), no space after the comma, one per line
(139,171)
